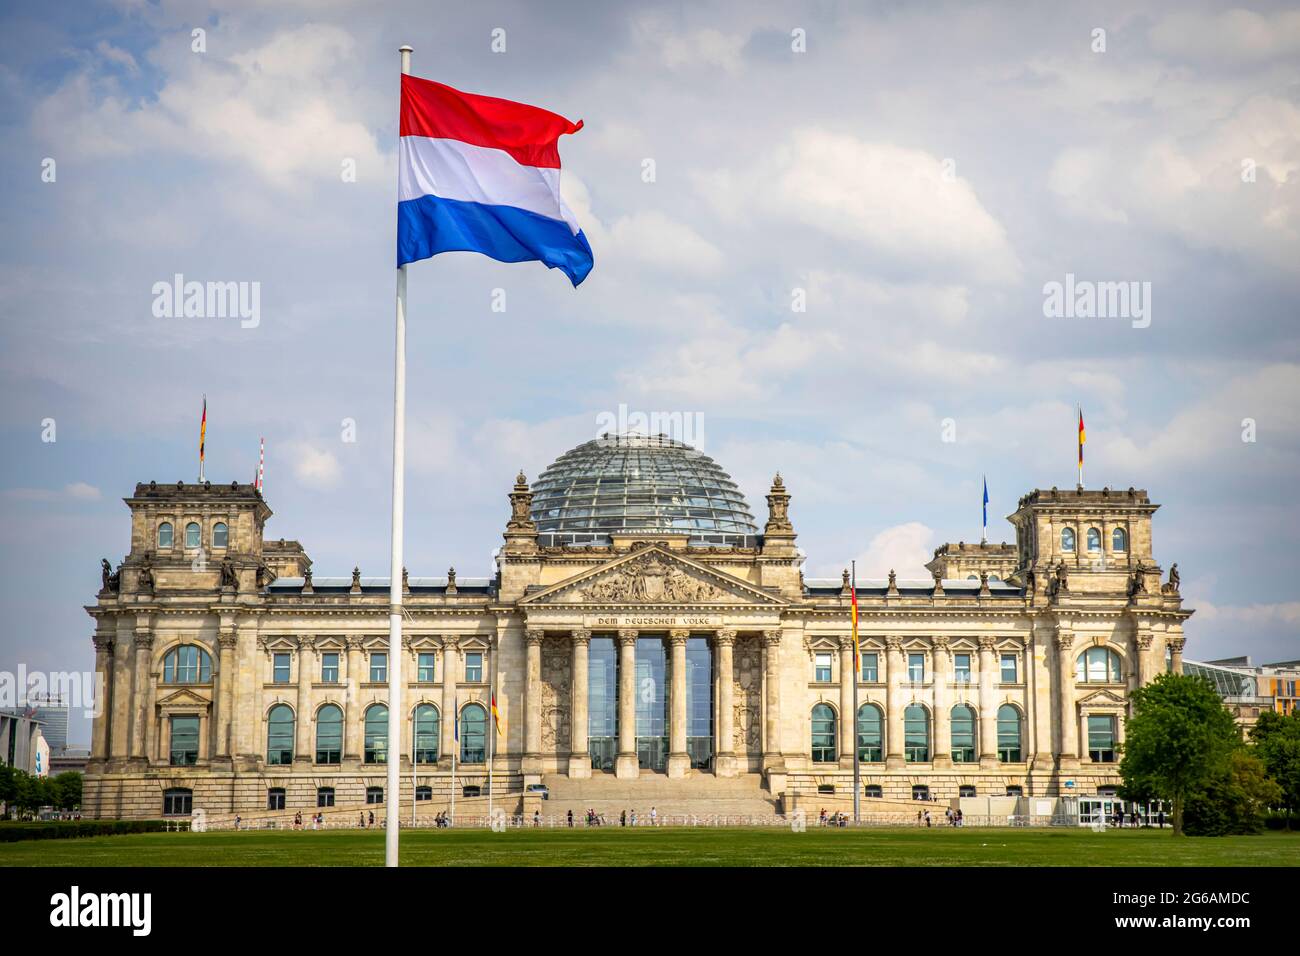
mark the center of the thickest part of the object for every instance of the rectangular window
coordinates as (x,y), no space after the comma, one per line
(280,668)
(1010,669)
(474,668)
(329,668)
(378,667)
(916,668)
(424,668)
(870,669)
(961,668)
(275,798)
(1101,738)
(178,802)
(822,667)
(185,741)
(325,797)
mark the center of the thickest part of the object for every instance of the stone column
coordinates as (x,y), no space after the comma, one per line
(580,756)
(1140,668)
(941,676)
(119,733)
(141,696)
(533,701)
(302,754)
(894,703)
(1065,689)
(1176,646)
(103,699)
(847,718)
(679,761)
(772,758)
(724,760)
(987,745)
(625,764)
(447,719)
(1038,724)
(352,726)
(226,641)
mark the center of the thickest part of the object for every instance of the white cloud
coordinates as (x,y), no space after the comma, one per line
(654,239)
(903,548)
(77,491)
(315,467)
(887,199)
(1228,36)
(82,491)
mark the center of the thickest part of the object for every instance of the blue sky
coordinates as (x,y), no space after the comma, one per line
(920,171)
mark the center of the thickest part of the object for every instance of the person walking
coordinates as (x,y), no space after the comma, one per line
(371,821)
(654,817)
(622,818)
(537,818)
(927,818)
(633,820)
(570,818)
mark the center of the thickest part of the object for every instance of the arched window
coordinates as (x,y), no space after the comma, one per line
(178,802)
(1067,539)
(473,734)
(192,535)
(377,734)
(426,734)
(871,739)
(1118,540)
(165,535)
(1009,734)
(329,734)
(279,735)
(1098,665)
(1094,539)
(187,664)
(823,734)
(963,734)
(220,535)
(916,734)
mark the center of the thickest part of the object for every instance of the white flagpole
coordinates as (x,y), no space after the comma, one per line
(392,823)
(455,746)
(491,741)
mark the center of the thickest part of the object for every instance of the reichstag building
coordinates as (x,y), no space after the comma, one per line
(640,627)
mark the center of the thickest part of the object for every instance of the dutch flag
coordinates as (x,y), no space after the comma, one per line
(481,174)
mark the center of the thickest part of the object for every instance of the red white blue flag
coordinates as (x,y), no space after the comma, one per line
(481,174)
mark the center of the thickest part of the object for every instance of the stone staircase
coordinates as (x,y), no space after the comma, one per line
(701,798)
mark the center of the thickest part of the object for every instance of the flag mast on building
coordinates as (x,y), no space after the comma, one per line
(474,174)
(203,436)
(984,534)
(1083,437)
(857,671)
(261,464)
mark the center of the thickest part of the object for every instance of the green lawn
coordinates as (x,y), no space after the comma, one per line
(665,847)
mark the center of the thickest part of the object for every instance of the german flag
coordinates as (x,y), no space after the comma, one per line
(496,714)
(1083,437)
(203,428)
(853,588)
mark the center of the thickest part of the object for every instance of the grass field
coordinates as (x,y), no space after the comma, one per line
(665,847)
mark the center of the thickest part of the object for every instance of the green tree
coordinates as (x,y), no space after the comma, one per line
(1179,737)
(67,790)
(1234,799)
(1277,741)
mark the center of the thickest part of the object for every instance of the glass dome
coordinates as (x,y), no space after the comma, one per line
(639,484)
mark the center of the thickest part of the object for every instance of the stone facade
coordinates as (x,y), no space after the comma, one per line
(272,639)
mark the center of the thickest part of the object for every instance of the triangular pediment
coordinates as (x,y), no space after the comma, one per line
(183,698)
(653,576)
(1101,698)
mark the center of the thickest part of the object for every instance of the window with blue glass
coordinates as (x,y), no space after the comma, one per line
(426,734)
(962,724)
(699,702)
(329,668)
(961,668)
(822,667)
(378,667)
(473,734)
(329,734)
(871,668)
(184,740)
(424,669)
(187,664)
(280,668)
(871,734)
(823,734)
(474,668)
(279,735)
(916,734)
(376,734)
(1010,668)
(651,704)
(602,703)
(916,668)
(1009,734)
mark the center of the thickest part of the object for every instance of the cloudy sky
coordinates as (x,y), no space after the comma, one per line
(915,174)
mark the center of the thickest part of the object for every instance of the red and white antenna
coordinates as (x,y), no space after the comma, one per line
(261,464)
